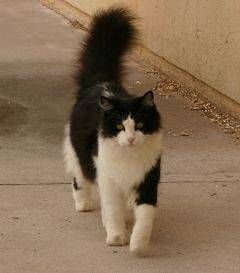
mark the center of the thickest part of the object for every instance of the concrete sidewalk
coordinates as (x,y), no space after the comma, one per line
(198,222)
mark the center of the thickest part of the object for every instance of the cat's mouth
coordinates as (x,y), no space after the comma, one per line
(129,145)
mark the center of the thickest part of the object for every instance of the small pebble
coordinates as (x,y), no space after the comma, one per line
(213,194)
(184,134)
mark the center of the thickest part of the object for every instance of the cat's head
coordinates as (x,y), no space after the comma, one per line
(130,120)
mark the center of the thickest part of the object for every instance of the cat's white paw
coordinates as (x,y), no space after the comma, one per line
(138,250)
(139,246)
(84,206)
(116,239)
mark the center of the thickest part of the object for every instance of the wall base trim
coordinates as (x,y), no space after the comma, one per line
(205,91)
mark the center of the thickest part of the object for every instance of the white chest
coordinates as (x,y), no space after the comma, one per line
(127,166)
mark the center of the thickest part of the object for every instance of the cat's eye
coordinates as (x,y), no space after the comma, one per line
(139,125)
(120,127)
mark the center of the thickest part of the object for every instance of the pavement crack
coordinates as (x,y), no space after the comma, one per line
(162,182)
(34,184)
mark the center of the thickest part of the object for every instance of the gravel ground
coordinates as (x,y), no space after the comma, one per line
(166,87)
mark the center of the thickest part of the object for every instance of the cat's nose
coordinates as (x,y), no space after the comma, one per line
(131,140)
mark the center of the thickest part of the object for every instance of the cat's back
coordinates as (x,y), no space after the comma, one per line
(86,114)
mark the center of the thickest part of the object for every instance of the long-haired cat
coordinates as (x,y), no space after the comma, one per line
(114,138)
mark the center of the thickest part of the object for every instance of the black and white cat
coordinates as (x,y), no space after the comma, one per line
(114,138)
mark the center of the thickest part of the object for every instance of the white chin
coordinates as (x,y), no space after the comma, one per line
(123,144)
(128,145)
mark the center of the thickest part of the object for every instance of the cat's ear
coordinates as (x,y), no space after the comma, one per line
(105,103)
(148,98)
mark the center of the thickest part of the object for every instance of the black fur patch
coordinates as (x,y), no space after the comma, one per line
(111,34)
(147,190)
(75,185)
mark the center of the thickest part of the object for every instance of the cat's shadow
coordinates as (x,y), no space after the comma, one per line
(182,233)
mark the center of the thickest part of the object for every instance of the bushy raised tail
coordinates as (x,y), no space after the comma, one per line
(111,34)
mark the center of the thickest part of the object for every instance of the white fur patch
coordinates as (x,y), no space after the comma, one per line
(127,165)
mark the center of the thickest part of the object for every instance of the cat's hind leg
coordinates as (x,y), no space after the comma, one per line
(82,194)
(81,186)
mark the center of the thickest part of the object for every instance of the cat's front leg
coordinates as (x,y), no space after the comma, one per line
(145,209)
(113,212)
(142,229)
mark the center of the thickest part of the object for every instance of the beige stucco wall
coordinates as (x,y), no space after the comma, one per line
(200,37)
(90,6)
